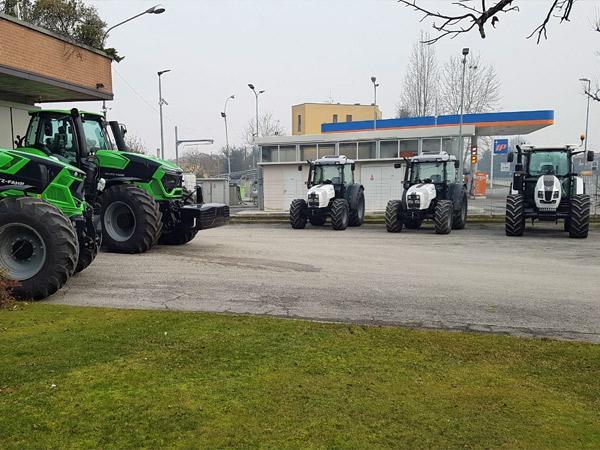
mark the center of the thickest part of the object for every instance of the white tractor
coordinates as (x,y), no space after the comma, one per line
(332,193)
(546,188)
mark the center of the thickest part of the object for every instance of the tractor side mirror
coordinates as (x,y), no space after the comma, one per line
(299,167)
(397,165)
(511,157)
(123,129)
(457,164)
(406,184)
(590,156)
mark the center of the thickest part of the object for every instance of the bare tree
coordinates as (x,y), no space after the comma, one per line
(135,144)
(475,14)
(267,126)
(482,86)
(419,90)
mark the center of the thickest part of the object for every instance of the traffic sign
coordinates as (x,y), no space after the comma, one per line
(500,146)
(504,167)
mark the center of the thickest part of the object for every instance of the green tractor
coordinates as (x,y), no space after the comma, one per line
(47,230)
(140,199)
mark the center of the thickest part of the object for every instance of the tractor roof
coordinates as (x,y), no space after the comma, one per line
(550,148)
(438,157)
(331,160)
(66,112)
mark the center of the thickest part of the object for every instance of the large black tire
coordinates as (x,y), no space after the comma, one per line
(131,219)
(298,214)
(515,215)
(442,217)
(340,214)
(177,237)
(459,220)
(579,223)
(393,219)
(38,246)
(357,216)
(317,221)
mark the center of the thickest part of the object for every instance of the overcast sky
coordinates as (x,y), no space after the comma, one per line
(311,50)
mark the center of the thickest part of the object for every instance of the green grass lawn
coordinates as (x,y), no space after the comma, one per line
(164,379)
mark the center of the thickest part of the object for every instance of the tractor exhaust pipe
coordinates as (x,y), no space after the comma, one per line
(119,134)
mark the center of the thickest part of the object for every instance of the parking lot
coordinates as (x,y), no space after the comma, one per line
(543,284)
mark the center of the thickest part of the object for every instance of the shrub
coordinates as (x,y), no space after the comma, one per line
(7,300)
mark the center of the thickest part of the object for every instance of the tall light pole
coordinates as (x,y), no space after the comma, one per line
(465,52)
(375,86)
(157,9)
(587,114)
(256,94)
(161,102)
(224,116)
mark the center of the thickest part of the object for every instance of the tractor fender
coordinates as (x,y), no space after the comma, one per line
(353,195)
(121,180)
(17,187)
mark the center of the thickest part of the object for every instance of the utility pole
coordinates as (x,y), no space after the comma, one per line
(256,136)
(224,115)
(161,102)
(375,86)
(461,145)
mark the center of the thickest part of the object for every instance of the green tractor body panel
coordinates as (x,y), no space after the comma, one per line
(23,173)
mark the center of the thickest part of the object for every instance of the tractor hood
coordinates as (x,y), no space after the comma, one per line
(42,158)
(320,195)
(168,165)
(420,196)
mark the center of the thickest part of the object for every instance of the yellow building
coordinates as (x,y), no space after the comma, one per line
(308,117)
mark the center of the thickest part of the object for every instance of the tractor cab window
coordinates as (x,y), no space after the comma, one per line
(549,163)
(433,171)
(328,174)
(95,135)
(53,136)
(348,175)
(451,172)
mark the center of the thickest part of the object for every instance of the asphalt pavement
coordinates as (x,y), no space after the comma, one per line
(543,284)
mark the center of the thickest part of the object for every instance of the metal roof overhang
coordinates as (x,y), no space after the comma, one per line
(20,86)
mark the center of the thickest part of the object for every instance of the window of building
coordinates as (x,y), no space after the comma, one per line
(348,149)
(348,117)
(431,146)
(269,154)
(308,152)
(326,150)
(287,153)
(409,148)
(335,118)
(388,149)
(299,129)
(450,145)
(367,150)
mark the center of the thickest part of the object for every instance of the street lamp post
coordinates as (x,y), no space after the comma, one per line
(224,115)
(465,52)
(157,9)
(161,102)
(587,114)
(256,136)
(375,86)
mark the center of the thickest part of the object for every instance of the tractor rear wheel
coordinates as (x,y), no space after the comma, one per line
(579,222)
(515,215)
(317,221)
(131,219)
(38,246)
(393,221)
(298,214)
(340,214)
(357,216)
(460,217)
(442,217)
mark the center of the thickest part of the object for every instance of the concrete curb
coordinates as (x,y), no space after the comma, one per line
(266,218)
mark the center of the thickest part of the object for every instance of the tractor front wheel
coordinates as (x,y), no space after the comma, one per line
(579,222)
(442,217)
(340,214)
(298,214)
(515,215)
(459,220)
(38,247)
(131,219)
(393,221)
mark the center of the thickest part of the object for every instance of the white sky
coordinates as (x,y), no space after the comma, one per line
(306,50)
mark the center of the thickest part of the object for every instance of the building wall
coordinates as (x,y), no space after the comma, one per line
(315,114)
(14,119)
(25,48)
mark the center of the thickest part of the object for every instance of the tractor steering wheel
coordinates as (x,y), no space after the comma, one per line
(427,180)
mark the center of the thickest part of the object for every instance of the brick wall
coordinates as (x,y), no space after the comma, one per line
(27,49)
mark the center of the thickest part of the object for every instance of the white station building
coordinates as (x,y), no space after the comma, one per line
(376,146)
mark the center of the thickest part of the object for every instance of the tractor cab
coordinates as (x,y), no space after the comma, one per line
(337,171)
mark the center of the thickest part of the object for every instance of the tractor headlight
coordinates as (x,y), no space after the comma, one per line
(555,195)
(540,194)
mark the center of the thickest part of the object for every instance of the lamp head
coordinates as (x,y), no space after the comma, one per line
(465,51)
(157,9)
(261,92)
(373,79)
(251,86)
(163,71)
(232,96)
